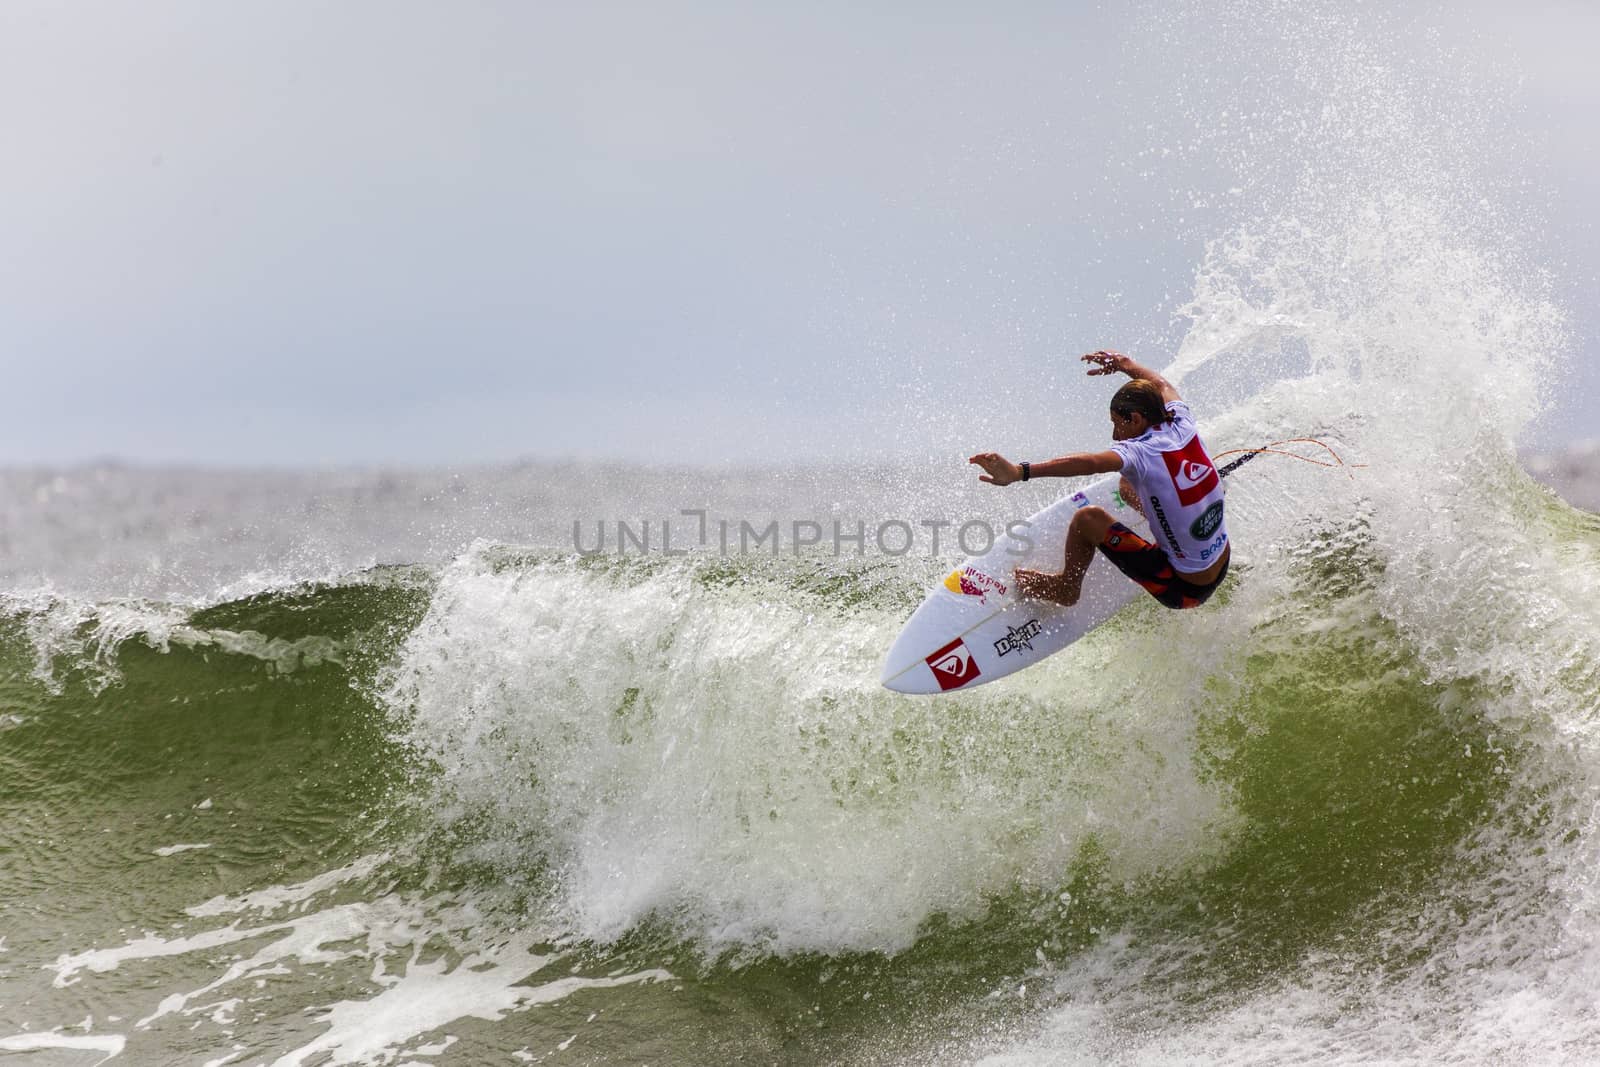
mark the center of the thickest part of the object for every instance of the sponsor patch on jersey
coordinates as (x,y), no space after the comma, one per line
(1207,523)
(1193,474)
(953,665)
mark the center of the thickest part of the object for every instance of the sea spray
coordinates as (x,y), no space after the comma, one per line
(721,757)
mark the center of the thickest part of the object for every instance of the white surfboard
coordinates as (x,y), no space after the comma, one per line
(973,628)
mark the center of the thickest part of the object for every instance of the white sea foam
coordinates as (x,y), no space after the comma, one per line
(721,756)
(420,988)
(277,898)
(110,1044)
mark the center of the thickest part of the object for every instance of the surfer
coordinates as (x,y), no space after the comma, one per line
(1167,477)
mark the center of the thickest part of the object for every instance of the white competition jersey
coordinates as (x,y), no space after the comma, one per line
(1179,488)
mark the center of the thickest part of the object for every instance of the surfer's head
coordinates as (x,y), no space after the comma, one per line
(1135,408)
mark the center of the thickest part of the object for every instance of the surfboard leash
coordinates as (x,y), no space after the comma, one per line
(1275,450)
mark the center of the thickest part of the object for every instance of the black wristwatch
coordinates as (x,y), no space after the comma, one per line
(1025,470)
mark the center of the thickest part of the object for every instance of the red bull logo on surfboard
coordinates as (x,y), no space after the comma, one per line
(969,581)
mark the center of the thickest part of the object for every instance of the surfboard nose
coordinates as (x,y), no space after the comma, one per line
(972,629)
(905,667)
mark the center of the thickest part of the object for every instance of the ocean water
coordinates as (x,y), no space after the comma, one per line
(512,803)
(448,767)
(524,805)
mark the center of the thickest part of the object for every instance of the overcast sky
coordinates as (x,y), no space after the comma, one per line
(450,232)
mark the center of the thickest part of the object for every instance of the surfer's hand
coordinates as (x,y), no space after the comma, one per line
(1108,362)
(1001,471)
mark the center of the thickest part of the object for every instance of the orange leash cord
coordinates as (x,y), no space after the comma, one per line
(1247,454)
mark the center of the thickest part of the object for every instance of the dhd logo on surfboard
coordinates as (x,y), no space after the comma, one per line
(953,665)
(1193,474)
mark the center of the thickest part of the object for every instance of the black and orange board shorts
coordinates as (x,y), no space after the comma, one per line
(1148,565)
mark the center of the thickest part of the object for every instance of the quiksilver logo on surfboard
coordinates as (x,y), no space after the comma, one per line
(953,665)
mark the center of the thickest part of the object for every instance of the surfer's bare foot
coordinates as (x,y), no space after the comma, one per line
(1040,585)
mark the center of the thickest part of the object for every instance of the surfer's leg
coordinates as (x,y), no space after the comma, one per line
(1088,529)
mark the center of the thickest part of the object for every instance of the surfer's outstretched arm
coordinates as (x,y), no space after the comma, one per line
(1001,471)
(1116,363)
(1077,464)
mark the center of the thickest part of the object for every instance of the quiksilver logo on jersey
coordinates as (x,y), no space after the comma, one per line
(953,665)
(1193,475)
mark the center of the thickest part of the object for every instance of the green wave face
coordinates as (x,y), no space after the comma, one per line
(135,729)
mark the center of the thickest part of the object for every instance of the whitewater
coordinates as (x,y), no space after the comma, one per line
(402,766)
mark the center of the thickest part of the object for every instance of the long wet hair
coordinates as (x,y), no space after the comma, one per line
(1141,397)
